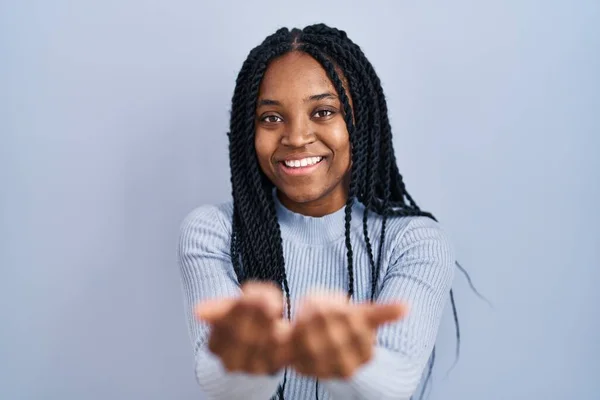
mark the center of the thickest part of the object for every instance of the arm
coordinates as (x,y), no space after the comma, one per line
(420,274)
(206,273)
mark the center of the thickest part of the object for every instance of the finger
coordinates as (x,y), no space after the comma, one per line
(272,353)
(232,358)
(283,349)
(347,364)
(311,347)
(362,338)
(365,347)
(306,365)
(301,365)
(219,340)
(264,297)
(258,364)
(379,314)
(256,360)
(248,322)
(213,310)
(281,357)
(256,295)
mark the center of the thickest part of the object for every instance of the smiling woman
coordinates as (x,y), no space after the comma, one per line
(301,138)
(318,203)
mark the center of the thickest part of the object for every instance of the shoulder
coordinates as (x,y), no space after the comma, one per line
(421,237)
(413,228)
(209,214)
(209,220)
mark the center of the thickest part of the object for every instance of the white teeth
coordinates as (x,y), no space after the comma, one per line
(305,162)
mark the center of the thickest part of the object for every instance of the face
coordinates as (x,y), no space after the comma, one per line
(301,141)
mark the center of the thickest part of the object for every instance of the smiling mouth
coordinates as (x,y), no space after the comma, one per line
(304,162)
(303,166)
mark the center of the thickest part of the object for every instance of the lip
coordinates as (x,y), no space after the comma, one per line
(299,171)
(298,156)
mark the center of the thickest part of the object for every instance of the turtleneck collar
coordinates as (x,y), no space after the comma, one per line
(314,230)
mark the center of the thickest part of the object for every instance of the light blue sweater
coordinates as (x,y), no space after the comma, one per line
(417,268)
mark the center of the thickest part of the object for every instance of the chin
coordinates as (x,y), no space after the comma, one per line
(303,195)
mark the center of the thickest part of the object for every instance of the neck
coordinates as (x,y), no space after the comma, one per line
(314,230)
(325,205)
(316,208)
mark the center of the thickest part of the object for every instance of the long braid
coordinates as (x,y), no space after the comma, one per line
(256,234)
(375,181)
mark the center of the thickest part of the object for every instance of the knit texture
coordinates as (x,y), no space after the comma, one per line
(417,269)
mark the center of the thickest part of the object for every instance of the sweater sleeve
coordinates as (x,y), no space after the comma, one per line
(420,274)
(207,272)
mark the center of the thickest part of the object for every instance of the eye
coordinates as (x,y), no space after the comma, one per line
(323,113)
(271,119)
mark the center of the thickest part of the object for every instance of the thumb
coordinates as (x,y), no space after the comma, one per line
(213,310)
(379,314)
(264,296)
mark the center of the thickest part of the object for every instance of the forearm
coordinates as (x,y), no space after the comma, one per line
(388,375)
(219,384)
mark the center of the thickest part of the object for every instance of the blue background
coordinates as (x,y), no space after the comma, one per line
(113,120)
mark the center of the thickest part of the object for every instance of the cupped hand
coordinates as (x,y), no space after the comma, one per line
(333,338)
(248,333)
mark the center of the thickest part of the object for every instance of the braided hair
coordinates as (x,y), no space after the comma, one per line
(256,244)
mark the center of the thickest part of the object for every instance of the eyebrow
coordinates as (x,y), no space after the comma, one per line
(321,96)
(268,102)
(314,97)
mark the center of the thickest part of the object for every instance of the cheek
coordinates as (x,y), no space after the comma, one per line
(340,144)
(264,147)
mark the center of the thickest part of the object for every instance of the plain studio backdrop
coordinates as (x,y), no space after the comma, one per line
(113,121)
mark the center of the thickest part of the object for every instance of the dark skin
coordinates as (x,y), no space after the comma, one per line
(303,147)
(299,115)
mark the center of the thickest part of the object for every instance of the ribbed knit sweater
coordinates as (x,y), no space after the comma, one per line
(417,268)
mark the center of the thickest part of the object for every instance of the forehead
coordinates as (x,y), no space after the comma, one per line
(294,74)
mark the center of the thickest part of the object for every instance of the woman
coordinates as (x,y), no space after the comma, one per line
(318,203)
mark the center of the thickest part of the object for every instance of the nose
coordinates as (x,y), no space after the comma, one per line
(298,134)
